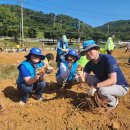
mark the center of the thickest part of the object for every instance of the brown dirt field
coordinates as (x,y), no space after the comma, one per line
(59,111)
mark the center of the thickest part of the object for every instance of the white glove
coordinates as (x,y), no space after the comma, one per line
(91,91)
(79,73)
(70,64)
(50,68)
(65,50)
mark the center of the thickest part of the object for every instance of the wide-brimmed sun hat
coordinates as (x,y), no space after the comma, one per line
(36,51)
(89,44)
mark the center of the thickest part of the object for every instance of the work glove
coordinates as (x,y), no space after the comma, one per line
(48,71)
(37,77)
(91,91)
(70,64)
(80,73)
(79,70)
(65,50)
(40,72)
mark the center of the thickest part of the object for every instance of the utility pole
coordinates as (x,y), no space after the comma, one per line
(22,19)
(22,28)
(79,26)
(20,32)
(108,29)
(54,21)
(61,24)
(79,31)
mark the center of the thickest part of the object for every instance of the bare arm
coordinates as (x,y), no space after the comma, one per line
(30,80)
(112,79)
(38,77)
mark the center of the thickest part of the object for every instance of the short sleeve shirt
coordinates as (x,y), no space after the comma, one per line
(23,71)
(106,64)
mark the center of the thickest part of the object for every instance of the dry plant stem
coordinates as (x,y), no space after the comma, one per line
(92,102)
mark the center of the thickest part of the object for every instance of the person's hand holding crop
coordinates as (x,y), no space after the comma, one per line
(40,73)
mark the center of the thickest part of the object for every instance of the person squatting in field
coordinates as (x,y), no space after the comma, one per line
(108,79)
(66,74)
(29,79)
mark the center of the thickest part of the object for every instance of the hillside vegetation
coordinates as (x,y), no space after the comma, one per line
(39,25)
(120,28)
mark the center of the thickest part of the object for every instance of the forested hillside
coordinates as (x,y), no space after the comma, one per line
(39,25)
(121,29)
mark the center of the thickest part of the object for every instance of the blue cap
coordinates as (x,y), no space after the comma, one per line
(72,53)
(36,51)
(87,45)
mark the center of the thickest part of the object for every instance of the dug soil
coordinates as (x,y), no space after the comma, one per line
(59,110)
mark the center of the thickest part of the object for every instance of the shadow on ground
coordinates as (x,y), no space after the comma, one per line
(11,93)
(62,92)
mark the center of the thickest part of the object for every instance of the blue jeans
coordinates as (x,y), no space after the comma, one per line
(26,89)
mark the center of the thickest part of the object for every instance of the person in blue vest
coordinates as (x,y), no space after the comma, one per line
(29,79)
(66,74)
(108,79)
(62,48)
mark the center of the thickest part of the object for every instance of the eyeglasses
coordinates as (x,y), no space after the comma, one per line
(70,59)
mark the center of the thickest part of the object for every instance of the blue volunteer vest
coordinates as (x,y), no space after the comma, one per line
(30,68)
(72,71)
(60,45)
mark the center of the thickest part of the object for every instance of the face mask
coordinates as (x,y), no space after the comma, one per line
(70,64)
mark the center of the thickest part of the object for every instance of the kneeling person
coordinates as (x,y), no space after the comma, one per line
(108,79)
(66,73)
(29,80)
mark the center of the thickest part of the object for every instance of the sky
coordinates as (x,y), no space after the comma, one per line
(92,12)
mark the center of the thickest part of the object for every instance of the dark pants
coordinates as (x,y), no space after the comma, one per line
(25,90)
(58,60)
(66,83)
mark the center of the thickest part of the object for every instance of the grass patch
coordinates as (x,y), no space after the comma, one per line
(8,71)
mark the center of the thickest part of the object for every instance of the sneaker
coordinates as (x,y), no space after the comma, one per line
(37,98)
(41,99)
(113,107)
(21,103)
